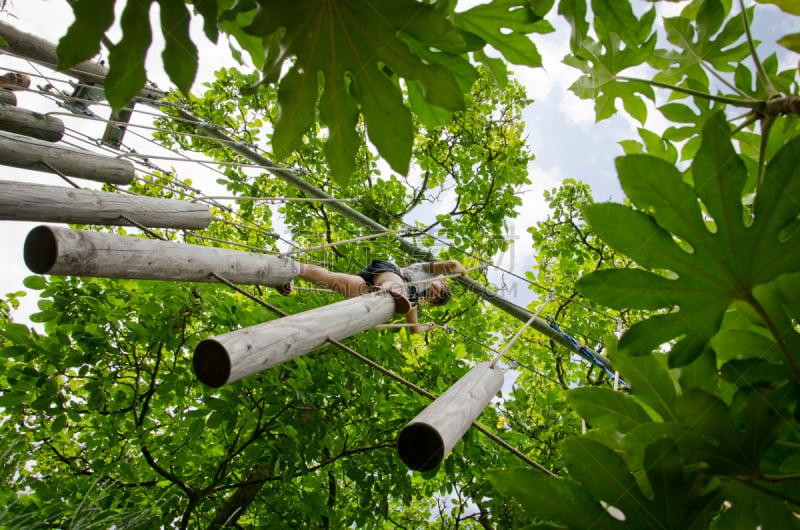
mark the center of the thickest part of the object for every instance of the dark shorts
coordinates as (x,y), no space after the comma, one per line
(376,267)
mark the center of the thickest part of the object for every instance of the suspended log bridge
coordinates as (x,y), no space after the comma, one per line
(7,97)
(69,252)
(20,201)
(427,439)
(227,358)
(29,153)
(29,123)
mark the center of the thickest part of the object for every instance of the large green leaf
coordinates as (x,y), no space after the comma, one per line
(488,21)
(82,41)
(355,52)
(126,73)
(554,499)
(607,409)
(714,438)
(602,63)
(704,46)
(180,53)
(710,268)
(789,6)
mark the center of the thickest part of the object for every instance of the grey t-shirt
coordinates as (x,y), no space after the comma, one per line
(414,273)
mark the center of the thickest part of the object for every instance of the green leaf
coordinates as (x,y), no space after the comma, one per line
(749,508)
(602,64)
(710,270)
(791,41)
(208,9)
(744,344)
(617,16)
(788,6)
(126,73)
(607,409)
(697,48)
(551,498)
(713,437)
(82,40)
(357,53)
(496,67)
(180,53)
(487,21)
(36,283)
(575,13)
(649,381)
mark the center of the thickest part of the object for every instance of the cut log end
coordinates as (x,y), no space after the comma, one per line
(211,363)
(41,250)
(420,447)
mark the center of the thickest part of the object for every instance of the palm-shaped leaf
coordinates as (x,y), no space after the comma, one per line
(355,51)
(710,267)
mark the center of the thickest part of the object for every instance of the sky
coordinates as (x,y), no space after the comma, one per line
(560,128)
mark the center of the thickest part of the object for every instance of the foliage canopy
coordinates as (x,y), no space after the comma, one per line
(699,264)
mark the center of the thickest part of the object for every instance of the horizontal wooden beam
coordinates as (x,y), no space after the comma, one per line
(427,439)
(29,153)
(29,123)
(227,358)
(43,52)
(69,252)
(22,201)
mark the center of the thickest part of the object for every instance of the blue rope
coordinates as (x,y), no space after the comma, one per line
(586,353)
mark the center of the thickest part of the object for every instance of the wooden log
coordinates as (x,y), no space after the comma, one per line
(21,201)
(69,252)
(427,439)
(29,153)
(43,52)
(7,97)
(29,123)
(227,358)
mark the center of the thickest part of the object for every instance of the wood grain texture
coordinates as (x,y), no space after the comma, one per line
(29,153)
(29,123)
(7,97)
(69,252)
(20,201)
(427,439)
(227,358)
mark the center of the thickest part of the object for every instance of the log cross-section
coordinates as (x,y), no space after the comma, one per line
(20,201)
(227,358)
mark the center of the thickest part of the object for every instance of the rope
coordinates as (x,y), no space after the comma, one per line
(233,243)
(587,354)
(335,243)
(519,332)
(60,174)
(389,373)
(336,343)
(277,199)
(445,276)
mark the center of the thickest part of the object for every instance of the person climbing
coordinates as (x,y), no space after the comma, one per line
(387,276)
